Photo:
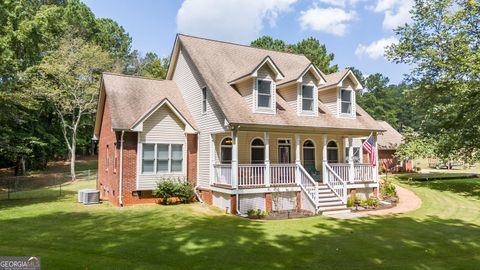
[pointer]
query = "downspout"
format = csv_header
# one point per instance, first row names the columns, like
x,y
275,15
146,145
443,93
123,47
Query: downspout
x,y
121,170
195,189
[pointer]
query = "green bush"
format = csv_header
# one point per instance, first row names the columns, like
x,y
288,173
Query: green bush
x,y
370,202
168,188
352,201
387,189
257,213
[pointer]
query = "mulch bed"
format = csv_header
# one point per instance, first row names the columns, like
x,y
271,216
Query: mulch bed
x,y
285,215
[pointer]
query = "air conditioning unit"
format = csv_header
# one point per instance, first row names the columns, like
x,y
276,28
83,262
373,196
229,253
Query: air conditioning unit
x,y
91,197
82,198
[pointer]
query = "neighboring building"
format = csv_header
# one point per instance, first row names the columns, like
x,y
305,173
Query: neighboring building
x,y
250,128
388,142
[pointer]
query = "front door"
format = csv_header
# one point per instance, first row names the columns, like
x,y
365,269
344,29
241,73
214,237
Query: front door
x,y
284,151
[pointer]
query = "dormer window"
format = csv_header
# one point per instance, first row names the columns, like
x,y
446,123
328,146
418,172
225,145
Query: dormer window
x,y
346,101
308,98
264,94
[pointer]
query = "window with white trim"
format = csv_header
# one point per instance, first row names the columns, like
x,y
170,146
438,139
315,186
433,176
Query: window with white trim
x,y
160,158
257,151
346,101
264,94
204,99
308,98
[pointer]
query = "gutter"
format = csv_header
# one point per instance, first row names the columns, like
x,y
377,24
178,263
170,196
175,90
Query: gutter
x,y
121,170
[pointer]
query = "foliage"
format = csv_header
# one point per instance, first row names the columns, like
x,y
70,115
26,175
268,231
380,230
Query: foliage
x,y
388,102
258,213
353,201
370,202
68,79
442,45
150,66
168,188
416,146
387,189
31,131
310,47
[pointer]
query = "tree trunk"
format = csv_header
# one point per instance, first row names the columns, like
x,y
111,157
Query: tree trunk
x,y
72,159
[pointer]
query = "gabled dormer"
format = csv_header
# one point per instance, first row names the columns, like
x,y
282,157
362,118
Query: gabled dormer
x,y
339,93
302,92
258,85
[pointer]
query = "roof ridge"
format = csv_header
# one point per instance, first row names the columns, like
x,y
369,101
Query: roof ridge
x,y
242,45
135,76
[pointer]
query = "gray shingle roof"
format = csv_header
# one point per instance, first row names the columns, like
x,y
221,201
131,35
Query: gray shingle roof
x,y
390,139
130,97
218,62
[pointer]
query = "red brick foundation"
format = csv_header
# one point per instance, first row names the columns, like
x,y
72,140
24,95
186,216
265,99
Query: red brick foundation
x,y
268,202
298,195
207,196
233,204
192,149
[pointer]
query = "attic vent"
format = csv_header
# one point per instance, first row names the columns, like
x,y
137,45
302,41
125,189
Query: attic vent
x,y
88,196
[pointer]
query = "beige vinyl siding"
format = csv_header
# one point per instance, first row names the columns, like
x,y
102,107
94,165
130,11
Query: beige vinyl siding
x,y
329,97
190,83
252,201
163,126
308,78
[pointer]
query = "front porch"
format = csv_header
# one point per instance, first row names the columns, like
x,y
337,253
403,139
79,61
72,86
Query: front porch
x,y
322,166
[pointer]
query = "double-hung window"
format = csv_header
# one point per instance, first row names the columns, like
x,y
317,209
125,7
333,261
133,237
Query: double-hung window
x,y
162,158
204,99
308,98
346,101
264,94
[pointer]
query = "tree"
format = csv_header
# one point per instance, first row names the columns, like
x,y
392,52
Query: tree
x,y
442,45
310,47
416,146
150,66
68,78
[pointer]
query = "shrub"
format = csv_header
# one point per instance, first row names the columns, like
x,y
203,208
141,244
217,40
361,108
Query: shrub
x,y
257,213
352,201
168,188
387,189
370,202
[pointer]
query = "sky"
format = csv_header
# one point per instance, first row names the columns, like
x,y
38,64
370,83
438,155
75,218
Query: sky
x,y
356,31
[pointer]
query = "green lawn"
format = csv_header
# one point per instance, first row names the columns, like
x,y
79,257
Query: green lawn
x,y
443,234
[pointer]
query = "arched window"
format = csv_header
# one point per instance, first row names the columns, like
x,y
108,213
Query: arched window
x,y
309,155
332,152
226,151
258,151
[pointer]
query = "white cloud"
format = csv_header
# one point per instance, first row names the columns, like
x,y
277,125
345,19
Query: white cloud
x,y
339,3
375,49
328,20
232,20
396,12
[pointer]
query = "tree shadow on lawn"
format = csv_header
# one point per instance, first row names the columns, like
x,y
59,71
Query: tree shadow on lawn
x,y
465,187
173,237
43,197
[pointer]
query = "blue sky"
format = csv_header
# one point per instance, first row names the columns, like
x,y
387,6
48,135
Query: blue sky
x,y
355,30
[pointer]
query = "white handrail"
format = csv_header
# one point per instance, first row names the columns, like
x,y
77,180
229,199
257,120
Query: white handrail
x,y
251,175
308,185
363,172
282,174
336,184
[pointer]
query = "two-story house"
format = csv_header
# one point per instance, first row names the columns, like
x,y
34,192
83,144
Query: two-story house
x,y
250,128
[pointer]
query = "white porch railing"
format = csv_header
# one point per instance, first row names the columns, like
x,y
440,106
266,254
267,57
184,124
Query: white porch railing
x,y
308,185
363,172
251,175
282,174
341,169
223,174
336,184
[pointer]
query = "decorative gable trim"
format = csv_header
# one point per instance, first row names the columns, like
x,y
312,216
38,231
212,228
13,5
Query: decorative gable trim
x,y
138,125
254,73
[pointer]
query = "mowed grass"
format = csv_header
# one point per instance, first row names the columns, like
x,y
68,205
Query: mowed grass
x,y
443,234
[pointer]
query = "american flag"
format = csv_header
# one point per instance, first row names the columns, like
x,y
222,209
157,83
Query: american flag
x,y
369,146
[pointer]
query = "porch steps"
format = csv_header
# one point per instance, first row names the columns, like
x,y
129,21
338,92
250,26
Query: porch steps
x,y
328,202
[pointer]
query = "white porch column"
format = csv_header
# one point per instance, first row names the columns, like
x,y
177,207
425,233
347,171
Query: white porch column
x,y
235,158
212,158
375,168
351,171
297,158
266,137
324,158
